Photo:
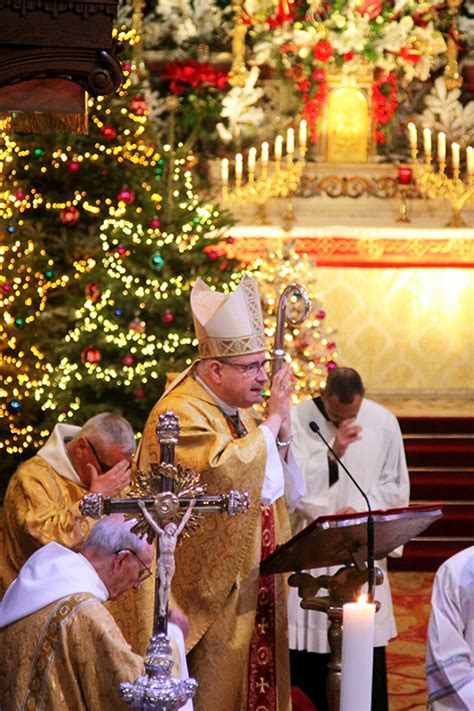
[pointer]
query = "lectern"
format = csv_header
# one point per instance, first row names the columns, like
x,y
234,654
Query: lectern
x,y
342,540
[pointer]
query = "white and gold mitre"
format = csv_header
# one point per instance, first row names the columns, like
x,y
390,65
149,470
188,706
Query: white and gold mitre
x,y
228,324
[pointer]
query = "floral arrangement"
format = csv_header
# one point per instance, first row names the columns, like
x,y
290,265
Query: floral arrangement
x,y
305,39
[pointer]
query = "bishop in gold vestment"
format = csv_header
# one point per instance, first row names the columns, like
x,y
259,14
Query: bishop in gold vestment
x,y
237,652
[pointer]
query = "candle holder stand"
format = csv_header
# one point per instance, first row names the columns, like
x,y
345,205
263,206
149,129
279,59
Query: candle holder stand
x,y
403,213
344,586
434,184
275,181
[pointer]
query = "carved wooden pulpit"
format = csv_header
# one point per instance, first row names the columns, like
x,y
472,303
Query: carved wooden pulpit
x,y
342,540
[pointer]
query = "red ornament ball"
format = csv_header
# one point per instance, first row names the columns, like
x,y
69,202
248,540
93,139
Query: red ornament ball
x,y
330,365
121,251
126,68
138,106
20,195
138,394
90,355
92,290
108,132
128,360
321,314
213,255
69,216
74,166
7,288
155,223
168,316
126,195
331,346
230,240
137,326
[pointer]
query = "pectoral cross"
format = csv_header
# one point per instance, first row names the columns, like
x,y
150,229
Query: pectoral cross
x,y
167,501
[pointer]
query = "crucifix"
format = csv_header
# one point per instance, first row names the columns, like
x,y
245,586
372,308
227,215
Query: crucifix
x,y
167,501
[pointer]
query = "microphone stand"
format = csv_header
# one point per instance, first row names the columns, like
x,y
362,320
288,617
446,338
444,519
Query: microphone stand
x,y
314,427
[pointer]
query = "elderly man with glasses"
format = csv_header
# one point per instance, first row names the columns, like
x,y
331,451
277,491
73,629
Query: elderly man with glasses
x,y
59,647
42,499
238,645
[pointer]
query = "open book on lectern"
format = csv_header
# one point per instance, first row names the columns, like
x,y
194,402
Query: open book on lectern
x,y
342,540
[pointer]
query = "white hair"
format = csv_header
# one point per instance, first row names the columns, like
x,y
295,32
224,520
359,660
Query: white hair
x,y
112,534
108,429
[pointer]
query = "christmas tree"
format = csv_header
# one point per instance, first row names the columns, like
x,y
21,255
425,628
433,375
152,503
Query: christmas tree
x,y
116,215
309,345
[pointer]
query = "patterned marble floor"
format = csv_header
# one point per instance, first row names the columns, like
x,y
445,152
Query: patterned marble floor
x,y
406,654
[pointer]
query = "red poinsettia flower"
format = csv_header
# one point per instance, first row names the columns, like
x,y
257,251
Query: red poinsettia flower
x,y
323,51
411,54
319,75
372,8
182,75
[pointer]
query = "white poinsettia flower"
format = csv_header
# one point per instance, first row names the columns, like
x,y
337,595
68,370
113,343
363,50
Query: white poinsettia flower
x,y
238,107
444,112
395,35
307,37
186,30
262,53
354,37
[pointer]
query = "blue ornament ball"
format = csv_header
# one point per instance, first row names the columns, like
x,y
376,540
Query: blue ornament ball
x,y
14,406
157,262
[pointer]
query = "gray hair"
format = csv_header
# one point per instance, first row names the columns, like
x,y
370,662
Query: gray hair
x,y
112,534
108,429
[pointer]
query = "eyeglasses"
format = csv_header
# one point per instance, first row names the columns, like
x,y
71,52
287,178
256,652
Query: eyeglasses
x,y
146,572
251,369
104,467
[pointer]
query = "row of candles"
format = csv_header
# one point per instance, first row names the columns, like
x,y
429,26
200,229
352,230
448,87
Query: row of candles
x,y
441,149
265,156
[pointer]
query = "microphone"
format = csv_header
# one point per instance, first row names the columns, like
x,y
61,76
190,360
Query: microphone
x,y
314,427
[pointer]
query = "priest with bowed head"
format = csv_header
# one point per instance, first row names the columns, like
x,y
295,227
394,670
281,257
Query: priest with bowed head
x,y
238,644
59,646
366,437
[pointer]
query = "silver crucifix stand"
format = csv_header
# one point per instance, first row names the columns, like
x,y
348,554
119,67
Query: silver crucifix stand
x,y
157,499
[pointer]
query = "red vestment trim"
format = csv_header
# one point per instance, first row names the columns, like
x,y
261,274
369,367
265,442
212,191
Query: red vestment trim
x,y
262,691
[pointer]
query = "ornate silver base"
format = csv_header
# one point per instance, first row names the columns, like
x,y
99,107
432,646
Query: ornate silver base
x,y
158,690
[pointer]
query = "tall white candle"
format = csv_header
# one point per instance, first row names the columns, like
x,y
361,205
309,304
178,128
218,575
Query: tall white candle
x,y
413,136
303,135
238,168
290,141
427,142
264,154
455,153
441,147
278,147
225,170
251,161
358,623
470,160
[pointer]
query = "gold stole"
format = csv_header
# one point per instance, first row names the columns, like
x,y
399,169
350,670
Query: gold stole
x,y
261,694
45,650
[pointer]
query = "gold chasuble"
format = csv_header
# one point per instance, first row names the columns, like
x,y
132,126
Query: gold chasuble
x,y
41,506
217,569
76,664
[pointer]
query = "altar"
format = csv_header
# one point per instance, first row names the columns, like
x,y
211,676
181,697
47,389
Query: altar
x,y
399,295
